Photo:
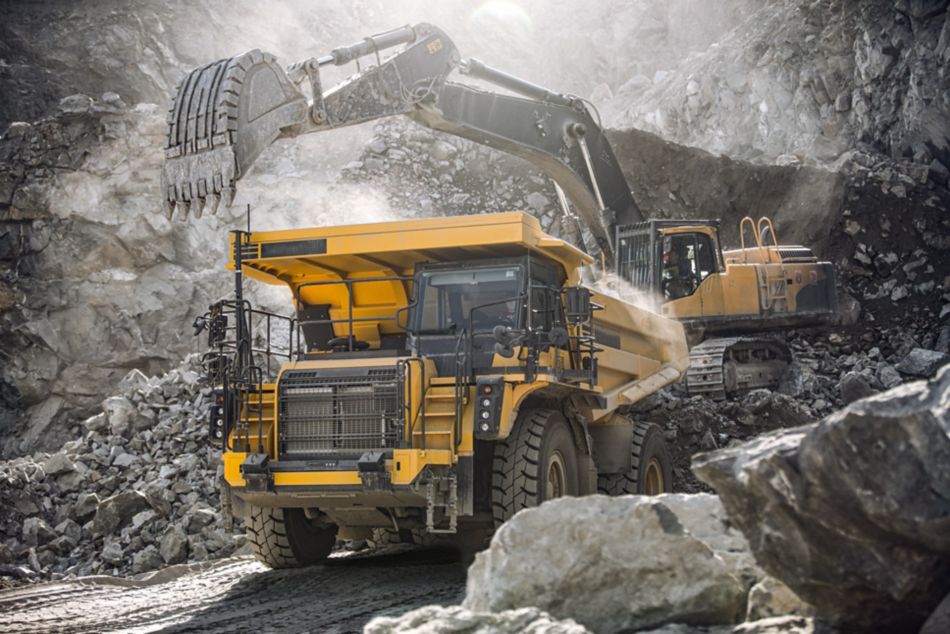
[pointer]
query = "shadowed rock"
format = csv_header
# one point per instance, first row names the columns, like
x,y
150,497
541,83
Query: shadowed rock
x,y
852,512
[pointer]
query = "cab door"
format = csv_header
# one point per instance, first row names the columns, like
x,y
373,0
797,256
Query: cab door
x,y
689,262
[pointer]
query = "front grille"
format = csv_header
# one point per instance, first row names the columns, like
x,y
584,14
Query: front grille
x,y
321,412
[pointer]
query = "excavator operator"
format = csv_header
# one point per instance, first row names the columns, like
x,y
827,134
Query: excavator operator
x,y
678,278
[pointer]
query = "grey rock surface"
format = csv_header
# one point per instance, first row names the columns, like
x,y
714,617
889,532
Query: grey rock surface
x,y
769,598
116,510
615,563
773,625
923,363
808,80
453,619
850,512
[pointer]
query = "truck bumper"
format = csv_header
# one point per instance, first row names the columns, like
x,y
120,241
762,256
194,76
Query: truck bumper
x,y
311,485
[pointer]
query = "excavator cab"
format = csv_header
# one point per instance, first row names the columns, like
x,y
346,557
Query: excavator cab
x,y
670,259
689,257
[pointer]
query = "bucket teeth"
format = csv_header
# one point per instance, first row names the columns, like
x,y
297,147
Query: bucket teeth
x,y
227,196
168,208
212,140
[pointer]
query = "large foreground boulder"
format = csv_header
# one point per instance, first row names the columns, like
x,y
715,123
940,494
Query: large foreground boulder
x,y
853,512
616,564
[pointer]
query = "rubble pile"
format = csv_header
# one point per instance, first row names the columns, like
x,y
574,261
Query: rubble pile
x,y
427,172
830,371
137,490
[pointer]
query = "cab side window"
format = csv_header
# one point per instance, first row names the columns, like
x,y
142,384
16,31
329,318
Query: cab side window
x,y
705,256
688,258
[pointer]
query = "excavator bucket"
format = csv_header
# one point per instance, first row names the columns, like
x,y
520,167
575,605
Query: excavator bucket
x,y
223,116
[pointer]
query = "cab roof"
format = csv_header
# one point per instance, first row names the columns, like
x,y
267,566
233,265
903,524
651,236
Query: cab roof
x,y
295,255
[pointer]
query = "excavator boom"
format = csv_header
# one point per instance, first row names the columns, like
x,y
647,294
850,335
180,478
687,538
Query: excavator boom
x,y
226,113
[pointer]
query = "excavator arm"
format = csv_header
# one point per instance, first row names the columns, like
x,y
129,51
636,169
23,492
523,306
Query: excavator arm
x,y
226,113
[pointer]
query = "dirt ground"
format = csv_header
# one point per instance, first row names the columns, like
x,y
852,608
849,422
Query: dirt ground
x,y
238,593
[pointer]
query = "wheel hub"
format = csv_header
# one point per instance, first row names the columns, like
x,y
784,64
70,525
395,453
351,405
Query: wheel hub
x,y
554,482
653,484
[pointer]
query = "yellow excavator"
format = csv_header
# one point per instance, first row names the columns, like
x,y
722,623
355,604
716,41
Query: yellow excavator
x,y
733,295
437,374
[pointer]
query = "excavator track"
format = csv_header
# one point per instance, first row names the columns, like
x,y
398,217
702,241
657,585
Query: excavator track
x,y
726,365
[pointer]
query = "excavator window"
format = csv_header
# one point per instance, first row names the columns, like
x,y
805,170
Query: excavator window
x,y
688,258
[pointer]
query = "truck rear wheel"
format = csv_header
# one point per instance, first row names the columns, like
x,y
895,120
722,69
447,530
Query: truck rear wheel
x,y
285,538
537,462
651,468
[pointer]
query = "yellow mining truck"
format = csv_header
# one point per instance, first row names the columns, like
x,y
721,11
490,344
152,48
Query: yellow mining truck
x,y
444,373
439,375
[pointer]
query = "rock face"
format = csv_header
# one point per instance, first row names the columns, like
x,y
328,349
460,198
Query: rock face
x,y
851,513
617,563
808,80
449,620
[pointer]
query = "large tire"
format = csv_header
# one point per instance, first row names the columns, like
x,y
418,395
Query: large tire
x,y
537,462
651,468
285,538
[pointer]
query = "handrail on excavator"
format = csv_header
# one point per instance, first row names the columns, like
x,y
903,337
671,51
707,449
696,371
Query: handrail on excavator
x,y
767,221
755,236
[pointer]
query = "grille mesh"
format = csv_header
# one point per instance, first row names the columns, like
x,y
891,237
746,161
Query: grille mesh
x,y
339,415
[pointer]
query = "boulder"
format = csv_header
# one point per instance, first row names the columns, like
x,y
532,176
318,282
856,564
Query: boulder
x,y
37,532
923,363
112,553
145,560
614,563
851,513
119,412
57,464
436,619
770,597
174,546
853,387
115,511
86,505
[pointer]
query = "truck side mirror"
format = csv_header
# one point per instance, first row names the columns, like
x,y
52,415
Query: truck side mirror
x,y
577,304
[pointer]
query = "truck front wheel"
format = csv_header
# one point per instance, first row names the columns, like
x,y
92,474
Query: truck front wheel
x,y
651,469
286,538
537,462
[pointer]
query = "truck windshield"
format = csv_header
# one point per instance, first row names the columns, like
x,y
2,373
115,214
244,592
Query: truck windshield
x,y
448,297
